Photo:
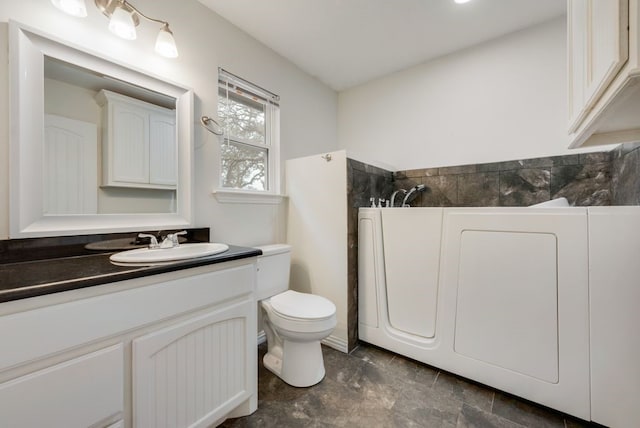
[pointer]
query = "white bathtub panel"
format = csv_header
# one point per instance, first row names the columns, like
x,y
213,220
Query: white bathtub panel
x,y
367,286
571,393
412,258
507,307
614,251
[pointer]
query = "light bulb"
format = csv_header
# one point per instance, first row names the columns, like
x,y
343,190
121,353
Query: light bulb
x,y
72,7
121,24
165,44
461,1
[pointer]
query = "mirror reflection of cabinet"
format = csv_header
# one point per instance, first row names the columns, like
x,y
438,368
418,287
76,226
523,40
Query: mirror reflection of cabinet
x,y
69,168
138,143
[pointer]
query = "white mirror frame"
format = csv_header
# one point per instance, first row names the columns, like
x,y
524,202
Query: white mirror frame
x,y
27,49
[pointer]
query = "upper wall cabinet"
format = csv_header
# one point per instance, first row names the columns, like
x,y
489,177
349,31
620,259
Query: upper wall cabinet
x,y
604,71
138,141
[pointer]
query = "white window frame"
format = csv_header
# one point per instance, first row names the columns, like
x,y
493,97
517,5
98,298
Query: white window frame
x,y
271,144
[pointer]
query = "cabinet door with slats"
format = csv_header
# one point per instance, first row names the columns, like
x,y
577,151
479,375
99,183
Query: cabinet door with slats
x,y
193,373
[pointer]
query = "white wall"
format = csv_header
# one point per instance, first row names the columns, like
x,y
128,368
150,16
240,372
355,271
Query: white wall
x,y
205,42
502,100
317,232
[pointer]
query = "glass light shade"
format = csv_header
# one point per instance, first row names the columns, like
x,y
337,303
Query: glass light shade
x,y
71,7
165,44
122,25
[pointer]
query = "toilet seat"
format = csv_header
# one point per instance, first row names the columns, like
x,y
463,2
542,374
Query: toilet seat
x,y
302,306
301,312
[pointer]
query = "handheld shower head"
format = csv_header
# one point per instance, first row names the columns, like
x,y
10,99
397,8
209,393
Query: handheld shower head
x,y
413,192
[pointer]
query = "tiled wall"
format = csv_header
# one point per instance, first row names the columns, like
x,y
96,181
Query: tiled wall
x,y
603,178
363,181
625,179
584,179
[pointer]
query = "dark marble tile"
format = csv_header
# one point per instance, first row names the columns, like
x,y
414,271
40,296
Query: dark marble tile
x,y
352,291
625,182
423,407
368,169
472,417
458,169
441,191
597,157
624,149
412,371
523,187
469,393
355,164
544,162
372,354
415,173
372,387
500,166
565,160
582,185
525,413
399,175
478,190
376,387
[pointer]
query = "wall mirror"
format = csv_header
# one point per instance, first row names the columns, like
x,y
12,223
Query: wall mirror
x,y
95,146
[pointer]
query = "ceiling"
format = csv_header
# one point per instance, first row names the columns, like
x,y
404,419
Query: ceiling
x,y
348,42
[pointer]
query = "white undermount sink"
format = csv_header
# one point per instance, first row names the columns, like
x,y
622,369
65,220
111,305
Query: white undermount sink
x,y
160,255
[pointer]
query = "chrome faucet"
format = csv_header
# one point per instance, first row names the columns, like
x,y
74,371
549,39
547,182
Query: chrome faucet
x,y
154,240
418,188
393,196
171,240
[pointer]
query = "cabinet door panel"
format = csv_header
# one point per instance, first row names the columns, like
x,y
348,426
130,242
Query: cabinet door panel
x,y
70,169
577,51
608,45
194,373
598,48
77,393
130,144
162,150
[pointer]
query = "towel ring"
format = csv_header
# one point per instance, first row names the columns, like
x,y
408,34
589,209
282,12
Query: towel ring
x,y
206,123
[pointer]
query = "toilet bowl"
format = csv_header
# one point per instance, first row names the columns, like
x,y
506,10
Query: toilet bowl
x,y
293,322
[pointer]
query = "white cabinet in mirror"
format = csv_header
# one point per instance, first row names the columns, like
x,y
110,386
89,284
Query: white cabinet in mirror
x,y
76,167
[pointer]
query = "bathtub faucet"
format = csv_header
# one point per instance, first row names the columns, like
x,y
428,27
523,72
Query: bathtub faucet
x,y
393,197
418,188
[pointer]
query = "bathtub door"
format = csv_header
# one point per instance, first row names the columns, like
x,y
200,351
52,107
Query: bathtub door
x,y
411,258
515,284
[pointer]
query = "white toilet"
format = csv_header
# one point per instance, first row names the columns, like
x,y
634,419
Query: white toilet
x,y
293,322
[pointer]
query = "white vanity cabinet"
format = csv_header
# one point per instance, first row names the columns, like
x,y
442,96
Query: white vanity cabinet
x,y
79,392
597,48
193,373
603,71
174,349
138,143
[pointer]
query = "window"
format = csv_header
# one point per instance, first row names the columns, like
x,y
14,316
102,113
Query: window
x,y
249,148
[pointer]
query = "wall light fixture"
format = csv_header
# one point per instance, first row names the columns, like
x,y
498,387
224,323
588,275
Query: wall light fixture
x,y
123,20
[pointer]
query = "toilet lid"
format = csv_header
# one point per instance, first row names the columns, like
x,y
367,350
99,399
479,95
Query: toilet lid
x,y
302,305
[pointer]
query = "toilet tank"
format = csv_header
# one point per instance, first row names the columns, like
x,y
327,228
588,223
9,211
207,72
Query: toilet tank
x,y
273,270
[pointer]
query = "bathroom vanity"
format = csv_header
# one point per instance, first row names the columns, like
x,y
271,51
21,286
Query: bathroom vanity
x,y
170,345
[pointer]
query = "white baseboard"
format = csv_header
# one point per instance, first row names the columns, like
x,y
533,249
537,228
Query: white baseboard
x,y
262,337
336,343
333,342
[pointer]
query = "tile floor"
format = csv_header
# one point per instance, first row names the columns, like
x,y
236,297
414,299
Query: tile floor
x,y
374,388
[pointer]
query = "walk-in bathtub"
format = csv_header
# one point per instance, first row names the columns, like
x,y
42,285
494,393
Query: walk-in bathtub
x,y
498,295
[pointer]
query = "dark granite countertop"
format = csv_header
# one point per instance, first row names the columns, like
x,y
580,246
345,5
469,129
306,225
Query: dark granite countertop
x,y
31,278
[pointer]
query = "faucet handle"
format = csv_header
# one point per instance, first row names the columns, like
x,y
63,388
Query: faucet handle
x,y
154,240
174,237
